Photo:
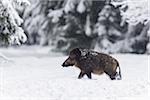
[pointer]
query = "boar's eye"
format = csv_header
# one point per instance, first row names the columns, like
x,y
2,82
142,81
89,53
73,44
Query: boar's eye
x,y
72,57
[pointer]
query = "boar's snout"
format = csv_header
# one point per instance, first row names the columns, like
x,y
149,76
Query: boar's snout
x,y
64,65
67,63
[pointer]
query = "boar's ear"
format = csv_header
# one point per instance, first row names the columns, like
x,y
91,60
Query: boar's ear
x,y
76,52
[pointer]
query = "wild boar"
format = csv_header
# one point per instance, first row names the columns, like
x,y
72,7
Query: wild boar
x,y
89,61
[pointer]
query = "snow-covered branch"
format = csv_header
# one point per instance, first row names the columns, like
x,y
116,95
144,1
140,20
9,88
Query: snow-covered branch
x,y
136,10
10,21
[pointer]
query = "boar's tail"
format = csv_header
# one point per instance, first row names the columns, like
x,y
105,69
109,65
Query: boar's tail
x,y
119,76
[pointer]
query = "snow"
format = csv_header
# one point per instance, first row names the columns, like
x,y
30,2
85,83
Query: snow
x,y
84,52
138,10
12,20
55,15
34,73
70,5
88,30
81,6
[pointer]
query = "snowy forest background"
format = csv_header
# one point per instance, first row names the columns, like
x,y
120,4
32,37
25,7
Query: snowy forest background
x,y
110,26
35,35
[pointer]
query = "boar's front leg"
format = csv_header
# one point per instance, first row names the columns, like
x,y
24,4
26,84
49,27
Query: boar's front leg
x,y
89,75
81,75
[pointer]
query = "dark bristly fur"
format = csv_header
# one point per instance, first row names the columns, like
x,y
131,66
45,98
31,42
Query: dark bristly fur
x,y
93,62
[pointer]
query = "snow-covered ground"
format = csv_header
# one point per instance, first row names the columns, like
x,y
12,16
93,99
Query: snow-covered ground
x,y
31,73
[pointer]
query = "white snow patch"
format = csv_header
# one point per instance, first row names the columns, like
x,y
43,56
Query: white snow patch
x,y
35,75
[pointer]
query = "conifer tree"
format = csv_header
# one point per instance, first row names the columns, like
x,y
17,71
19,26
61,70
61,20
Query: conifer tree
x,y
10,22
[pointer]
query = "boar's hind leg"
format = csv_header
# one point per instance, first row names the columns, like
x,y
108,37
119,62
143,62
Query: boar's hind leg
x,y
81,75
111,74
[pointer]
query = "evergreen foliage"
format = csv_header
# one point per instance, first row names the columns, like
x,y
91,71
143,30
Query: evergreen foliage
x,y
109,26
10,21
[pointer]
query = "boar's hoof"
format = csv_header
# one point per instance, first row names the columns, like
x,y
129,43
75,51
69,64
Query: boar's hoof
x,y
81,75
